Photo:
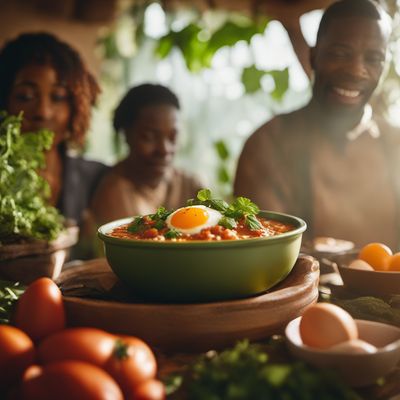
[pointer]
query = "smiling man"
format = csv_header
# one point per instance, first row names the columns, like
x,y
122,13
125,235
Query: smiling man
x,y
333,162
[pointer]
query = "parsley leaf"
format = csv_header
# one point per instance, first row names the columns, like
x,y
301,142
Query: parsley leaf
x,y
172,234
204,195
136,225
24,194
227,222
252,222
241,207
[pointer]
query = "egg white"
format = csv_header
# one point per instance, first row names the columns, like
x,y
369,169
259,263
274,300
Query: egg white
x,y
213,218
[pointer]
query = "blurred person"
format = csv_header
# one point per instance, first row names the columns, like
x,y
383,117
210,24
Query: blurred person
x,y
333,162
46,79
146,179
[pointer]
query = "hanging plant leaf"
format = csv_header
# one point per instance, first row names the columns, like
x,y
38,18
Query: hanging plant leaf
x,y
251,79
281,79
231,33
222,150
187,41
165,45
223,175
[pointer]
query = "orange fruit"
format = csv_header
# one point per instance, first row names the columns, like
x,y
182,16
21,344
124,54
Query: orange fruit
x,y
377,255
394,263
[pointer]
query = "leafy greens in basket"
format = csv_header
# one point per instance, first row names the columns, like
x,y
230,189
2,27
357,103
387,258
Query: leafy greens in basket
x,y
24,210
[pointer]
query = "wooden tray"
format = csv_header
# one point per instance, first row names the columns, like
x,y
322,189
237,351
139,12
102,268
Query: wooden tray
x,y
188,327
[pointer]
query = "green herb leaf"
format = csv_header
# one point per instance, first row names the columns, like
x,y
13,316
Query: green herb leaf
x,y
204,195
136,225
24,194
9,294
161,214
252,222
227,222
257,371
245,205
172,234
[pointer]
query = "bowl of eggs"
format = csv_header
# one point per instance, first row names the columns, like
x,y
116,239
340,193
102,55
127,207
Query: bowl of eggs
x,y
206,251
359,351
373,270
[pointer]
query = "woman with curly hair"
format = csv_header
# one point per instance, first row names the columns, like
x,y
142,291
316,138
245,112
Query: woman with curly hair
x,y
46,80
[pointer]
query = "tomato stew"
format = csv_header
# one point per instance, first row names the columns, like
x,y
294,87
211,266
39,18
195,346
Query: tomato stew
x,y
214,233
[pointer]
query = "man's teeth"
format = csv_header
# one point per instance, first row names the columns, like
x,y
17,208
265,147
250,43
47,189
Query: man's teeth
x,y
347,93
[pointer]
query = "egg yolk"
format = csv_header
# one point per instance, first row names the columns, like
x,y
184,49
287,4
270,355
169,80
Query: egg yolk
x,y
190,217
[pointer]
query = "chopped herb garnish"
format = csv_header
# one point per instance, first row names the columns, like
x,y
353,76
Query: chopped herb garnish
x,y
172,234
204,195
242,210
160,224
242,207
161,214
136,225
227,222
252,222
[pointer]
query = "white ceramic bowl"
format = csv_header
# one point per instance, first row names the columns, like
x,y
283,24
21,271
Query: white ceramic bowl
x,y
355,369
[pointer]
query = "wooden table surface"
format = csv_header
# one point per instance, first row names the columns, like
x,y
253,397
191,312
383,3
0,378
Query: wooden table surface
x,y
176,361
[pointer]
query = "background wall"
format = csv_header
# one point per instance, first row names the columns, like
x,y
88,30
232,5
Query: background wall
x,y
22,16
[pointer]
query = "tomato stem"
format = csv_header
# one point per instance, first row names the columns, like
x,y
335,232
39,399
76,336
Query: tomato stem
x,y
121,349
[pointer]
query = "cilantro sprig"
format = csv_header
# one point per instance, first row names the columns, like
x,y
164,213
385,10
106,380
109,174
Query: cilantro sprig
x,y
156,220
241,207
24,194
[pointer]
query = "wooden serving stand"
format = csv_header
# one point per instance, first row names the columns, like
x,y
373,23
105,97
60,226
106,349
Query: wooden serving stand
x,y
184,327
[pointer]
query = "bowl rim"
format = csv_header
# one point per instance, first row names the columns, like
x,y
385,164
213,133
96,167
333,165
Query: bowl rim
x,y
301,227
295,323
343,266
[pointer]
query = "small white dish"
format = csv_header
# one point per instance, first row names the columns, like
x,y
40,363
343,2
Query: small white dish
x,y
355,369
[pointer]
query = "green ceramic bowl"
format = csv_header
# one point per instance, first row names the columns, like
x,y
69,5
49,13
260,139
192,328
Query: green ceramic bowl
x,y
198,271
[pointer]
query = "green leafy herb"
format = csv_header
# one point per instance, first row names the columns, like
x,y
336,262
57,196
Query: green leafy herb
x,y
227,222
252,222
253,371
161,214
24,209
245,206
204,195
204,198
242,207
9,294
139,224
172,234
136,225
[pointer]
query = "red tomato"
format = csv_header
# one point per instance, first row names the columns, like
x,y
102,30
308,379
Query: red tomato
x,y
16,354
131,363
85,344
151,389
128,359
40,310
69,380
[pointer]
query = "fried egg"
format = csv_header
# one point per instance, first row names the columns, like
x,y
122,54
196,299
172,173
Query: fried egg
x,y
193,219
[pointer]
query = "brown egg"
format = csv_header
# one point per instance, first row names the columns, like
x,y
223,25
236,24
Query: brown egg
x,y
324,325
354,346
360,264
